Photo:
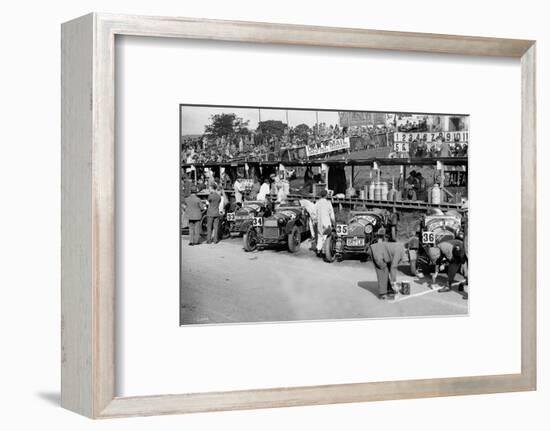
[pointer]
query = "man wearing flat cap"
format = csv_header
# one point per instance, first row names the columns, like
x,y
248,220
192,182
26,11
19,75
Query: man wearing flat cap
x,y
193,210
386,256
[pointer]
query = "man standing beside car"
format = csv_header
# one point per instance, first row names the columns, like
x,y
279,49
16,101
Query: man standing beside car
x,y
193,210
324,214
213,215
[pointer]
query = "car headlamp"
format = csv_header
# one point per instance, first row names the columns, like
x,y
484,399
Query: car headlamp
x,y
368,228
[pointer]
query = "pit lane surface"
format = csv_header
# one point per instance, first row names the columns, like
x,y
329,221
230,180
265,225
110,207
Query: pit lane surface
x,y
223,284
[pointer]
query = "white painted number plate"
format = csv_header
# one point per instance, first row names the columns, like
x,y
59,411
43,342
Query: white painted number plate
x,y
428,237
354,242
341,229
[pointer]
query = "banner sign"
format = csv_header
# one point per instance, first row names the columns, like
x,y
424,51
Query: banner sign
x,y
454,137
327,147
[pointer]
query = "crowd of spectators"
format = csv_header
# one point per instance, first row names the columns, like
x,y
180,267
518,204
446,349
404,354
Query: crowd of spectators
x,y
257,146
413,126
292,143
438,148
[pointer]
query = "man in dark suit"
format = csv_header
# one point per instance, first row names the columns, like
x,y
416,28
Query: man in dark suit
x,y
386,256
213,214
193,210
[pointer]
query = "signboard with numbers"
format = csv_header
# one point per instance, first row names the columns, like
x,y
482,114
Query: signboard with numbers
x,y
230,216
402,137
258,222
341,229
401,147
428,237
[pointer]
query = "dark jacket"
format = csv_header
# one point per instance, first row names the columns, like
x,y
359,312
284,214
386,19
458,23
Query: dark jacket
x,y
193,209
214,200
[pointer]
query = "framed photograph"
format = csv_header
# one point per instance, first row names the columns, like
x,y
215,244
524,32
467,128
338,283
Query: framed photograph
x,y
264,215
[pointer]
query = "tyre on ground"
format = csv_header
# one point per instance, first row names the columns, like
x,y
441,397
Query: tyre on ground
x,y
294,240
250,240
328,250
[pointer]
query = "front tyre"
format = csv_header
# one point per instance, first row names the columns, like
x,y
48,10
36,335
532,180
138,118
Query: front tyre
x,y
294,240
328,250
224,230
250,240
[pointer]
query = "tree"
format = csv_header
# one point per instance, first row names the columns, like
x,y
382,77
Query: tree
x,y
271,128
226,125
301,131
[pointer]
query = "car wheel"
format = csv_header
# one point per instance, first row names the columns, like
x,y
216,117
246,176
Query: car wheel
x,y
203,226
224,230
294,240
250,240
328,249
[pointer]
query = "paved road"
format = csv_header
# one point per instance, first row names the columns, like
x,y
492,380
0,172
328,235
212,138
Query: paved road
x,y
224,284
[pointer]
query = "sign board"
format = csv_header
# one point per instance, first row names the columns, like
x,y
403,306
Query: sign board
x,y
327,147
460,137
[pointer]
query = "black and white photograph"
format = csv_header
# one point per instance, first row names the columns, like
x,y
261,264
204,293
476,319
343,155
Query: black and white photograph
x,y
312,214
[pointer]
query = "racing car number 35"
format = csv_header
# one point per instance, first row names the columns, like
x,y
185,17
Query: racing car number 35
x,y
341,229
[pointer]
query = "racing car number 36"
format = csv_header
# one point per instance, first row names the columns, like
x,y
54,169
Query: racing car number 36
x,y
428,237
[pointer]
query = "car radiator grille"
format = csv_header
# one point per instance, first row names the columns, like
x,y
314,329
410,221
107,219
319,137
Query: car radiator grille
x,y
271,232
356,230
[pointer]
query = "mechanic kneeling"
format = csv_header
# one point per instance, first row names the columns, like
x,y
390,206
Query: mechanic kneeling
x,y
386,256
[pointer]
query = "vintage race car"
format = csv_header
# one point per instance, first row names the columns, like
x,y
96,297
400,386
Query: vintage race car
x,y
356,235
435,227
240,218
288,225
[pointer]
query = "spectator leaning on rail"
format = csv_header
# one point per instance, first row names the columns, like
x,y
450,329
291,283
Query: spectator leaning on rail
x,y
386,256
324,214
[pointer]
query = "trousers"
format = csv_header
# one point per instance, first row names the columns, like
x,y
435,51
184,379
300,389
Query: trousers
x,y
212,233
383,276
194,231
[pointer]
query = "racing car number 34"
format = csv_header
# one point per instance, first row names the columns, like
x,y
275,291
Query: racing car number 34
x,y
258,221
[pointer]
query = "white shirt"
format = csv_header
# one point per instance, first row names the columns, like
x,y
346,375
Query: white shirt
x,y
324,213
264,191
238,191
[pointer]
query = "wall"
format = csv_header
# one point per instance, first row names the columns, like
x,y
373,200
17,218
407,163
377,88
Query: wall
x,y
29,220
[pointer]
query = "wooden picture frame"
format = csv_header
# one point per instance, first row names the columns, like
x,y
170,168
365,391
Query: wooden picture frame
x,y
88,214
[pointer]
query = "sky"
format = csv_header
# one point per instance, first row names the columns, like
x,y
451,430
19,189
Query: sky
x,y
195,118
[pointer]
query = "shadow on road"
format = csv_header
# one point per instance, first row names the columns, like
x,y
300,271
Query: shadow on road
x,y
371,286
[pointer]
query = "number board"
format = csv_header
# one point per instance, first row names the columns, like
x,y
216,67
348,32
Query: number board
x,y
428,237
401,147
258,222
341,229
460,137
230,216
